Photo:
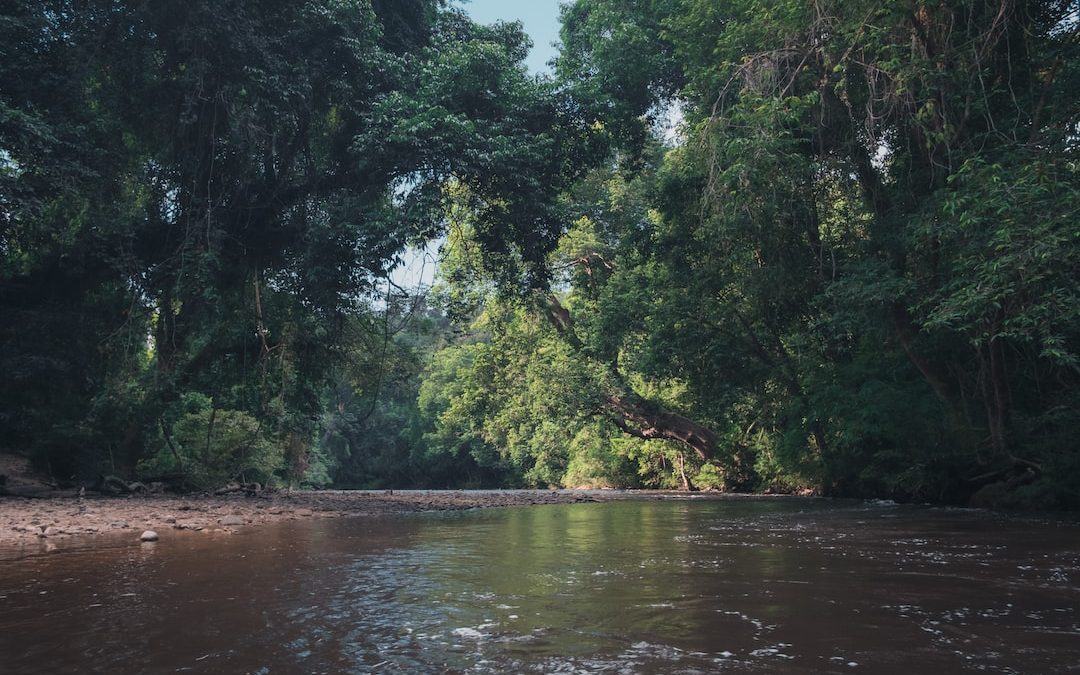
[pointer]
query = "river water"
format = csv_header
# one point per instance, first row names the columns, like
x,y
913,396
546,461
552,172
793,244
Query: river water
x,y
674,586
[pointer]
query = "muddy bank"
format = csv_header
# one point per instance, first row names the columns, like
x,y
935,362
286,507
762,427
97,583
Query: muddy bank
x,y
27,520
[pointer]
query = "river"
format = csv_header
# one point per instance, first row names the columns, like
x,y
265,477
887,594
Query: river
x,y
676,586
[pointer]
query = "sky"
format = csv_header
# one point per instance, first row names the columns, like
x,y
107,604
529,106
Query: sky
x,y
540,18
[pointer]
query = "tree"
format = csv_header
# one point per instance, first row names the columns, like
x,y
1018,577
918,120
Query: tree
x,y
850,195
201,196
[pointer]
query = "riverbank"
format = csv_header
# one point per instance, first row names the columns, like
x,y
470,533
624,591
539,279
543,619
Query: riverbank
x,y
27,520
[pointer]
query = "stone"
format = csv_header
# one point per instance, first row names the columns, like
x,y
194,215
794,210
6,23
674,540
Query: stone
x,y
232,520
302,512
149,535
51,531
119,523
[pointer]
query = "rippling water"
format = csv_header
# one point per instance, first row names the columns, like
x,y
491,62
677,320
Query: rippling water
x,y
680,586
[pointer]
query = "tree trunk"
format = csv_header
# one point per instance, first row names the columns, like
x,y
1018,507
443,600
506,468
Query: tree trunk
x,y
997,396
686,484
906,331
631,413
646,419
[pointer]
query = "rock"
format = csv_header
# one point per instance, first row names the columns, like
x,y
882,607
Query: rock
x,y
32,529
111,485
119,523
51,531
170,519
302,512
467,633
232,520
149,535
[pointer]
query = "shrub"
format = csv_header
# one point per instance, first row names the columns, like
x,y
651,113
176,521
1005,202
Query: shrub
x,y
210,448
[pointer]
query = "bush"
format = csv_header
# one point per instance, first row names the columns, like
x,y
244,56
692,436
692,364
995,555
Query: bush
x,y
210,448
595,463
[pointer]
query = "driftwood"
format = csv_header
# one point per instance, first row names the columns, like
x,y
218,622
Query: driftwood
x,y
250,489
115,486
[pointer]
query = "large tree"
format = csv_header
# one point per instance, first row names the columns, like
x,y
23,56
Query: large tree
x,y
864,242
197,196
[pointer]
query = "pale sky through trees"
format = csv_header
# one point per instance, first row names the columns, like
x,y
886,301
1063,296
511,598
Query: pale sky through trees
x,y
539,17
541,21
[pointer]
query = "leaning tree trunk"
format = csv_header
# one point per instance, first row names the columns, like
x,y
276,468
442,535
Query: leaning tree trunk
x,y
631,413
646,419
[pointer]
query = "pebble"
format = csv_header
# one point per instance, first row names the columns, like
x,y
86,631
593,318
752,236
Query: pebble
x,y
149,535
232,520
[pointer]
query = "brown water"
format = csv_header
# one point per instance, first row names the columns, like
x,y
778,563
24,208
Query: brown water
x,y
688,586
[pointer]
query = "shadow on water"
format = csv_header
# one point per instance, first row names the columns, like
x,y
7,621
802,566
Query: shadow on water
x,y
675,586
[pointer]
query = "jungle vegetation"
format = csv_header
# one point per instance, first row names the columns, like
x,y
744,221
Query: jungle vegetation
x,y
848,268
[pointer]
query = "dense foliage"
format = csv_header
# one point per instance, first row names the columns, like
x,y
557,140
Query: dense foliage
x,y
860,260
855,267
850,272
202,197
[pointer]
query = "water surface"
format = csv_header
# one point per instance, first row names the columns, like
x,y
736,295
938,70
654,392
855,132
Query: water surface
x,y
678,586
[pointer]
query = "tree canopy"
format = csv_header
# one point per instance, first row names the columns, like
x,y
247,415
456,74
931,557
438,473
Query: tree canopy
x,y
849,272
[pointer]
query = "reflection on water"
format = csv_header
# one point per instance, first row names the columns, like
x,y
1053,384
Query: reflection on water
x,y
783,585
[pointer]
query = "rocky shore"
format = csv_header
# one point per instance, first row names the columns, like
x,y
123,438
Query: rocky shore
x,y
32,519
32,509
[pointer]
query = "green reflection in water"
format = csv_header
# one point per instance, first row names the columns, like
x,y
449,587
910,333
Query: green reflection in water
x,y
588,576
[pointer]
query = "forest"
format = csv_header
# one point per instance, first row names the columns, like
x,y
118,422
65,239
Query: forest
x,y
823,247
